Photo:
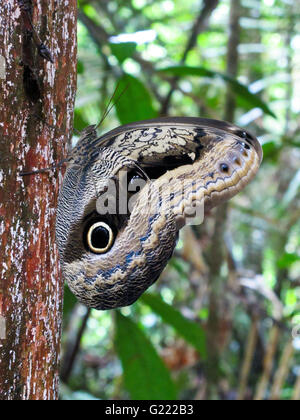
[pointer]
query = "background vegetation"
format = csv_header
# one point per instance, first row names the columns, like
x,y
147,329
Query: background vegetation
x,y
223,322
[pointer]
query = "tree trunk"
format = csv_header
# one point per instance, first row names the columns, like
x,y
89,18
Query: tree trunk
x,y
36,115
220,310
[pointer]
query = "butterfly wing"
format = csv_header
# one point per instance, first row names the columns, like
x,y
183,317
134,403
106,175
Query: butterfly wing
x,y
213,159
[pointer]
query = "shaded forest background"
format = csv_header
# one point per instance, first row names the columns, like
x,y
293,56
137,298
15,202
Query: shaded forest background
x,y
223,322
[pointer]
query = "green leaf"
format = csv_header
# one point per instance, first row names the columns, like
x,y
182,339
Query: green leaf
x,y
271,150
123,50
69,302
145,375
191,331
180,267
80,123
135,103
287,260
80,67
238,88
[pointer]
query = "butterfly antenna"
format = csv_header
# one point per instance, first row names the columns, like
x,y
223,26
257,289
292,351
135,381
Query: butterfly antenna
x,y
112,104
78,132
108,106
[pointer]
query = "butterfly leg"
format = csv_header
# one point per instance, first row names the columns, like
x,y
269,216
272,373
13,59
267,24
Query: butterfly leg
x,y
54,166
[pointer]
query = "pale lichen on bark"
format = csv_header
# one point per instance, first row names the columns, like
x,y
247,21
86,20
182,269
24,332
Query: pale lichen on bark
x,y
2,328
33,134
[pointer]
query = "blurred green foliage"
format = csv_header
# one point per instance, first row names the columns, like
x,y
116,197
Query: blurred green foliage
x,y
157,347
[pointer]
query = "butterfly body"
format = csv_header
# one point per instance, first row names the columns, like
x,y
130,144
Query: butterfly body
x,y
109,259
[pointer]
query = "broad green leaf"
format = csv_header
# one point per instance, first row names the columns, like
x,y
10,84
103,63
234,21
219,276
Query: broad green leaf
x,y
191,331
145,375
238,88
135,103
122,50
287,260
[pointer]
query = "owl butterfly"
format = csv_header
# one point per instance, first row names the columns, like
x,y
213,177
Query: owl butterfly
x,y
126,195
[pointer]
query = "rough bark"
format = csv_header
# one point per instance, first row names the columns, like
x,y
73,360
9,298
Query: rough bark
x,y
36,115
